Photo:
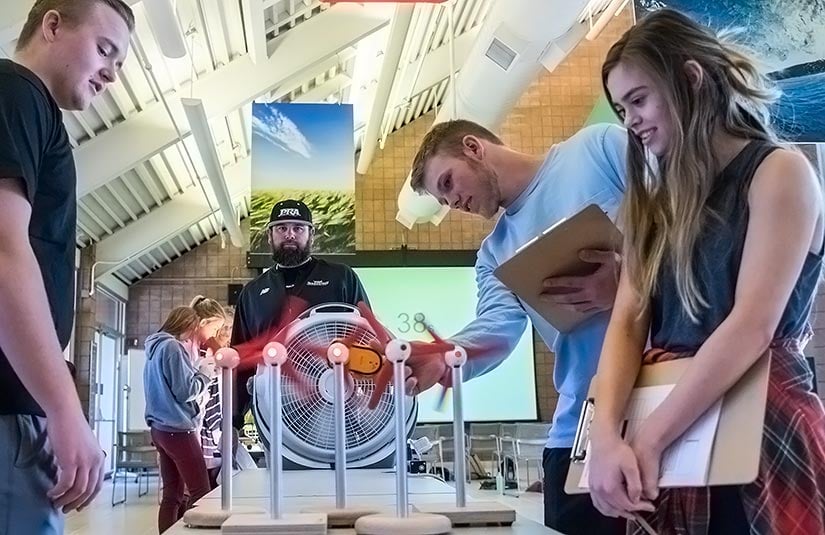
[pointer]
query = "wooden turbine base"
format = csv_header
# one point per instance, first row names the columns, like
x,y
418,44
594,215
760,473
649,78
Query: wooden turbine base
x,y
210,517
472,514
288,524
344,517
414,524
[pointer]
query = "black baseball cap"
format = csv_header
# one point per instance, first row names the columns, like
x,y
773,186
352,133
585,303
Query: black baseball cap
x,y
290,211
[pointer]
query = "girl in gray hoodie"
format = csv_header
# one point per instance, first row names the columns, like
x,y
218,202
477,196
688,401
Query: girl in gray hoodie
x,y
173,380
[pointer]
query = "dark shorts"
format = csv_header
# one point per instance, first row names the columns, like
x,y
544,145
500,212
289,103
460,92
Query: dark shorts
x,y
571,515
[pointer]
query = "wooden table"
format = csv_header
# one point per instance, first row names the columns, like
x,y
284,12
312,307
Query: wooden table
x,y
308,488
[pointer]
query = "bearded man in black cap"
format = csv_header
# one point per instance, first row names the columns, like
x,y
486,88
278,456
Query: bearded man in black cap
x,y
296,279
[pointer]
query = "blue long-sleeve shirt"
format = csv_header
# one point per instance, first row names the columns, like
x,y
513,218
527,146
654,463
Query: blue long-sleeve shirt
x,y
587,168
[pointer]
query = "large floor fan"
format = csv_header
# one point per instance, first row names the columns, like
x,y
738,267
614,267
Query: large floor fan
x,y
309,428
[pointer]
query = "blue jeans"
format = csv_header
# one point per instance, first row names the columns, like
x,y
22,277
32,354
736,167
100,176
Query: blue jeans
x,y
27,472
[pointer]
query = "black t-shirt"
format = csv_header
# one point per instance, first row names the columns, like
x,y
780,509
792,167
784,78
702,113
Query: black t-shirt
x,y
261,304
34,148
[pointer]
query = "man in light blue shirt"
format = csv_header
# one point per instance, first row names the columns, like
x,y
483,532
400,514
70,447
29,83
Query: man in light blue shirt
x,y
467,167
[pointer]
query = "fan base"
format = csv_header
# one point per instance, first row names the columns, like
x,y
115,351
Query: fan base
x,y
473,514
415,524
209,517
288,524
344,517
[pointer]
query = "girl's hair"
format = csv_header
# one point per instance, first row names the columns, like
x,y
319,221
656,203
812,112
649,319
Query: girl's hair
x,y
206,308
180,321
665,206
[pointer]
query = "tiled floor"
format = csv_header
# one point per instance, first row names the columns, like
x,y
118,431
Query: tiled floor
x,y
138,516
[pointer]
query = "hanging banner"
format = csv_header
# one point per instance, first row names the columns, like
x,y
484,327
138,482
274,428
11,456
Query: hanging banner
x,y
304,152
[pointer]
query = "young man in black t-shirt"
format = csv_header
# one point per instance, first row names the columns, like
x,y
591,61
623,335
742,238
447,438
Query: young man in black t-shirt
x,y
263,304
67,53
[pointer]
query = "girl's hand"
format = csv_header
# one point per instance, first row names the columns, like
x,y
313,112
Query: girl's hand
x,y
615,481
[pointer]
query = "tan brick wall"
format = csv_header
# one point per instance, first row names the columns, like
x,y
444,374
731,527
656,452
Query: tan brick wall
x,y
85,325
552,109
206,270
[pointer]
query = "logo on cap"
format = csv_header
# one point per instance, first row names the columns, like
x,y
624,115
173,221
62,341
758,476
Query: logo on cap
x,y
292,212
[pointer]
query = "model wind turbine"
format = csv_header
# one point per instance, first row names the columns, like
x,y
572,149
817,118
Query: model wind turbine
x,y
403,521
342,515
463,513
226,359
275,357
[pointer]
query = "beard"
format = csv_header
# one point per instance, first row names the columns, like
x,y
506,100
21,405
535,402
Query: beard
x,y
488,181
290,257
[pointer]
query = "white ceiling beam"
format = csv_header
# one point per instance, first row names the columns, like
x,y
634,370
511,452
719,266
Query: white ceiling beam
x,y
167,221
255,29
108,210
121,148
199,124
321,92
436,65
399,28
134,274
184,242
113,285
165,254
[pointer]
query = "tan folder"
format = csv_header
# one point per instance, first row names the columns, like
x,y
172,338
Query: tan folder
x,y
737,445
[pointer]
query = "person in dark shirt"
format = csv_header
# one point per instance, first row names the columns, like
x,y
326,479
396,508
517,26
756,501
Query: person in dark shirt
x,y
67,53
296,280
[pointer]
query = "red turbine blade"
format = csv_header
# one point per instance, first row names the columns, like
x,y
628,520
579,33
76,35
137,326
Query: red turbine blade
x,y
418,348
380,332
303,387
380,385
434,334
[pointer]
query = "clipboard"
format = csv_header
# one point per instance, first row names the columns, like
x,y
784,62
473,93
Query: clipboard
x,y
737,446
555,252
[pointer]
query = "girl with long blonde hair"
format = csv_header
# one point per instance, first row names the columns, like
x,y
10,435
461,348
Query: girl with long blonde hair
x,y
723,253
174,378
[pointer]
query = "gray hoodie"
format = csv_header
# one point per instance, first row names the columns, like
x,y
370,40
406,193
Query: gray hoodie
x,y
172,385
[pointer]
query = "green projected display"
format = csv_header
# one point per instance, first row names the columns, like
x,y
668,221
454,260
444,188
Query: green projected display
x,y
405,298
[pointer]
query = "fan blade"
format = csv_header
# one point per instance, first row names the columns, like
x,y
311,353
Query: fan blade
x,y
382,381
352,338
319,350
380,332
302,386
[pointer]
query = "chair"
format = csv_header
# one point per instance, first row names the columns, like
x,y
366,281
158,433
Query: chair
x,y
134,452
526,445
484,440
435,456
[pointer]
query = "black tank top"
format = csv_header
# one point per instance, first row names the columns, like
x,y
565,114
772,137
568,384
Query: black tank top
x,y
716,266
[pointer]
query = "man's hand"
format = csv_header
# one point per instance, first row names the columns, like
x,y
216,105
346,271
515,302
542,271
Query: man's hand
x,y
590,293
425,367
79,461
